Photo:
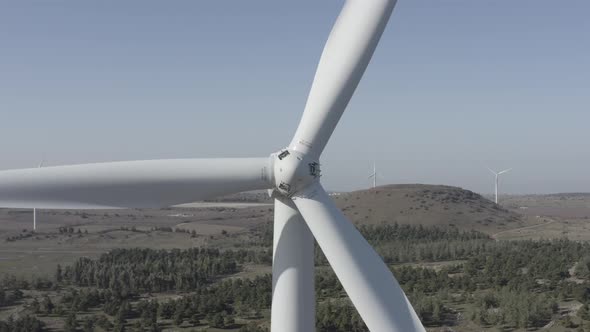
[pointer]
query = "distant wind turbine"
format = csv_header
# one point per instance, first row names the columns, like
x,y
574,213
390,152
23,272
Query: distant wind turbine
x,y
497,174
34,209
374,175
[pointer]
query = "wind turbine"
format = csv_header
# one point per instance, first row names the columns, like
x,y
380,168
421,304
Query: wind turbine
x,y
303,209
497,174
374,175
35,209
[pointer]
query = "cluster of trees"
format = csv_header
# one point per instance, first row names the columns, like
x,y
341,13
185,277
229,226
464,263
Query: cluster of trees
x,y
166,229
508,284
406,243
11,288
392,233
519,264
217,305
582,269
45,306
70,230
431,308
334,316
24,235
521,309
80,300
422,286
163,229
9,281
137,270
22,324
489,264
528,277
90,323
10,297
409,243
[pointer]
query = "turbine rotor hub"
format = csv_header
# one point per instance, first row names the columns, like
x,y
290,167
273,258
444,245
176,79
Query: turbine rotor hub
x,y
293,171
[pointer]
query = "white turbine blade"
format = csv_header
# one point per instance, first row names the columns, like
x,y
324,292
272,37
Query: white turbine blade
x,y
505,171
368,282
491,170
346,55
132,184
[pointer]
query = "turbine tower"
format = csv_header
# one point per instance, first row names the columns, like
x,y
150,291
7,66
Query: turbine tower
x,y
35,209
303,209
497,175
374,175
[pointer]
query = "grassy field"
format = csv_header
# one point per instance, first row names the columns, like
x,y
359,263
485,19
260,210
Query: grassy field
x,y
96,232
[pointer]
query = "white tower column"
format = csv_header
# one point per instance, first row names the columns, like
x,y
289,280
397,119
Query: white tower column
x,y
496,188
293,295
374,176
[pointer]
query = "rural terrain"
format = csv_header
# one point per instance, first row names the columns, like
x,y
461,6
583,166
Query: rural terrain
x,y
466,263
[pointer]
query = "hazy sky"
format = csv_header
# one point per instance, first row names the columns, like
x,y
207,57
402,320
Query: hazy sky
x,y
454,86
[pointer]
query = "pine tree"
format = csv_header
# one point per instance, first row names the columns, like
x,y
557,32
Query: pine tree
x,y
120,320
178,319
35,306
88,324
194,320
229,321
71,323
58,274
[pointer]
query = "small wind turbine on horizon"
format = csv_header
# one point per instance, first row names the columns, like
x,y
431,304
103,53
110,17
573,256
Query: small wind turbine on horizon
x,y
35,209
374,175
497,175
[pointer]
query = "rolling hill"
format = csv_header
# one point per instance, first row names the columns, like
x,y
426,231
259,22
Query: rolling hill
x,y
433,205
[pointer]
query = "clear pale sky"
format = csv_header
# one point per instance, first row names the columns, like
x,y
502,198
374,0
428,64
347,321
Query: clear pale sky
x,y
455,85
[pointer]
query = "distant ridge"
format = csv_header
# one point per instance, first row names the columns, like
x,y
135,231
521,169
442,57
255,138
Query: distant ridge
x,y
572,194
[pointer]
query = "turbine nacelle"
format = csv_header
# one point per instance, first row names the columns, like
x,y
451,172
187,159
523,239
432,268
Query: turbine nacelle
x,y
293,171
